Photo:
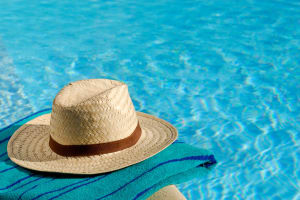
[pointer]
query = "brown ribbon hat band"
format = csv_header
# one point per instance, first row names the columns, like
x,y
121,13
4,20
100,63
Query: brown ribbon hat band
x,y
90,120
96,149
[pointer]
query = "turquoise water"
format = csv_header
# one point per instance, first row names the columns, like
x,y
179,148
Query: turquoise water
x,y
225,73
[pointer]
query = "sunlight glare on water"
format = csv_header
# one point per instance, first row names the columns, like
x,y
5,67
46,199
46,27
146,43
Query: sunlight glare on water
x,y
225,73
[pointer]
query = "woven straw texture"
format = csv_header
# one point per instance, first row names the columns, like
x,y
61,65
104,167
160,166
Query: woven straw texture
x,y
29,147
94,113
91,112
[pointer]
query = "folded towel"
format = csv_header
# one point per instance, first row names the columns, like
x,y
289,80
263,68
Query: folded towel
x,y
167,193
176,164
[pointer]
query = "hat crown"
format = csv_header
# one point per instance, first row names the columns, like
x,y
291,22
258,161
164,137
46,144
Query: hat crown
x,y
91,112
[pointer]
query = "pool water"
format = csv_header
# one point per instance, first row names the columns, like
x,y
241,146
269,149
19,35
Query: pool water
x,y
225,73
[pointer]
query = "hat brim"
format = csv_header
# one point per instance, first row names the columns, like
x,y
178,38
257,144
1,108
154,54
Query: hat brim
x,y
29,148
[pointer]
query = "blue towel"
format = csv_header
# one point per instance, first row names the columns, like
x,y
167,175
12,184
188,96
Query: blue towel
x,y
176,164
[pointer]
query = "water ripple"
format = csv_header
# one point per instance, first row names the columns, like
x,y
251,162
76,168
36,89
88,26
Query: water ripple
x,y
225,73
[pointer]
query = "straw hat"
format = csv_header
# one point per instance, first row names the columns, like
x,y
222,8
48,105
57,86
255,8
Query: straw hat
x,y
93,128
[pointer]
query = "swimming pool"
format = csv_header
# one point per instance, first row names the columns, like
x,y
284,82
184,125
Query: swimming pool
x,y
225,73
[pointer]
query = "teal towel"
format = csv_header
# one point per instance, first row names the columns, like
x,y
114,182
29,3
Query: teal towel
x,y
176,164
